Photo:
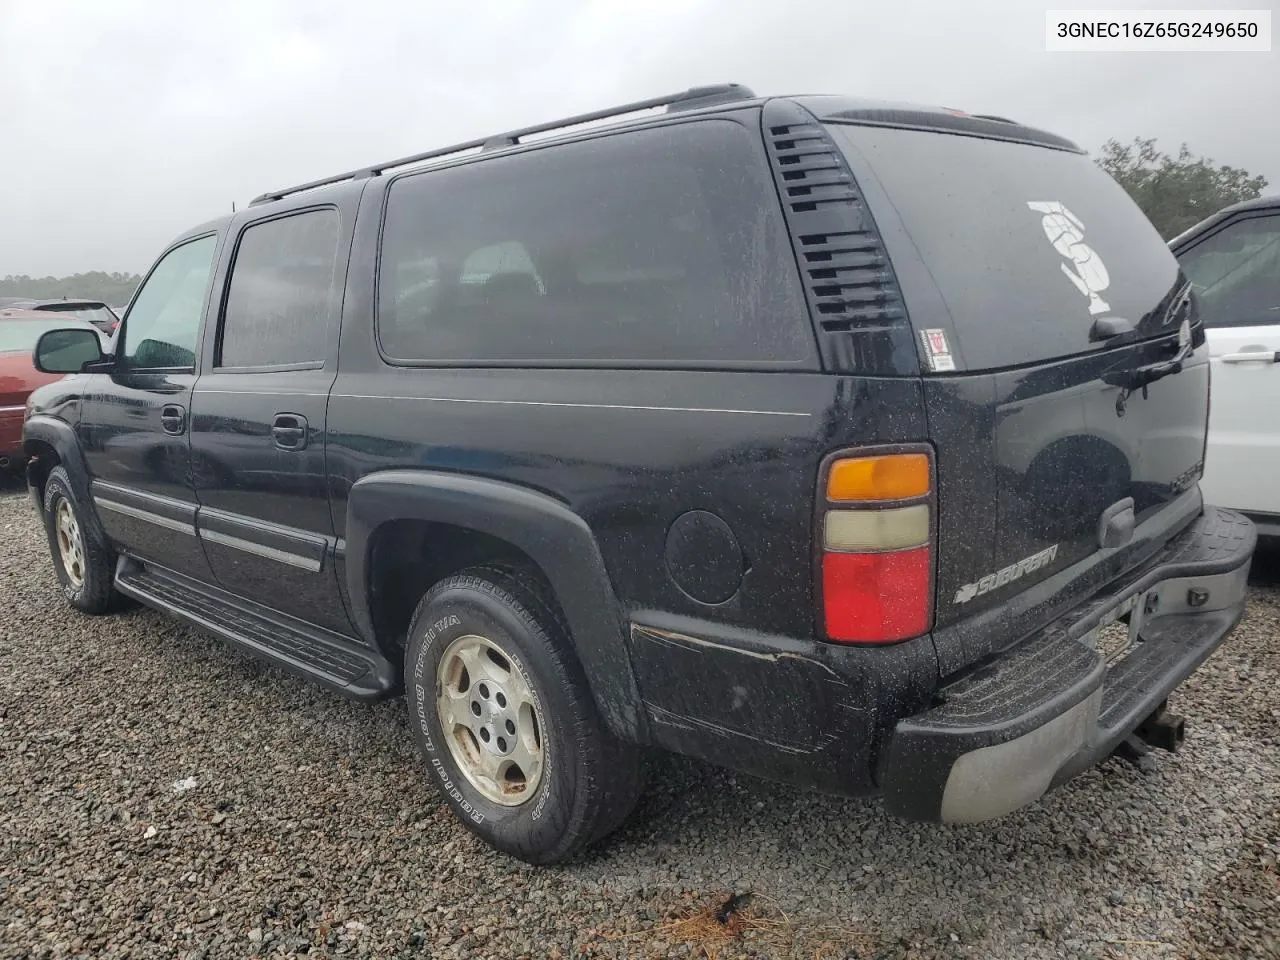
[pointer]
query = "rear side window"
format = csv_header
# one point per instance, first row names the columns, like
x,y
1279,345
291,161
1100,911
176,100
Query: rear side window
x,y
280,295
654,246
1236,273
1007,253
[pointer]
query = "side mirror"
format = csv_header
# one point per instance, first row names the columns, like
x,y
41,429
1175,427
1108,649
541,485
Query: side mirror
x,y
67,351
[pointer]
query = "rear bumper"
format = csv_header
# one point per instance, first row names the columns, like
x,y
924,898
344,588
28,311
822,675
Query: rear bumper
x,y
1036,715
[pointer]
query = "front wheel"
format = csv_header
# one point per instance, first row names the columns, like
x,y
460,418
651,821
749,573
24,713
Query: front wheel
x,y
85,566
502,712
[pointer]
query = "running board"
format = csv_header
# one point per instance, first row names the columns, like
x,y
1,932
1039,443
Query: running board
x,y
339,663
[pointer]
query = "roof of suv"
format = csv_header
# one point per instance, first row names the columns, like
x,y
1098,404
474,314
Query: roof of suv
x,y
712,99
938,119
1271,202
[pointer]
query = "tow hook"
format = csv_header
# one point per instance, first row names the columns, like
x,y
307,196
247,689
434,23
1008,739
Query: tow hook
x,y
1163,729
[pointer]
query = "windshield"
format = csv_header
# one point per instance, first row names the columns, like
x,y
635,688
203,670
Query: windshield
x,y
1007,253
21,335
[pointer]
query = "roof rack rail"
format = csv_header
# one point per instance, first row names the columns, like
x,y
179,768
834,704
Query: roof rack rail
x,y
992,116
690,99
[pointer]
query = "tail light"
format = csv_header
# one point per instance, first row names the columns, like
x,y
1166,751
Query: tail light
x,y
876,527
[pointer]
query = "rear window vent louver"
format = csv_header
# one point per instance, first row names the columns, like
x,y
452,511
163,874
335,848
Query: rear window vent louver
x,y
852,291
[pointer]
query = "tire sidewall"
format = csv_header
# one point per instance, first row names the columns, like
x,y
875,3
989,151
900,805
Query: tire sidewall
x,y
56,490
535,827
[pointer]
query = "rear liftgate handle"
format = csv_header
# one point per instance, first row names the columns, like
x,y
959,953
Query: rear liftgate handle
x,y
289,431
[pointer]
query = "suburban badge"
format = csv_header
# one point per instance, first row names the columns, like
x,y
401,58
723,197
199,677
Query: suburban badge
x,y
1014,571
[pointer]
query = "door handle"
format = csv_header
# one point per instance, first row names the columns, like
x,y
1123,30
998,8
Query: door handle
x,y
289,431
173,418
1252,355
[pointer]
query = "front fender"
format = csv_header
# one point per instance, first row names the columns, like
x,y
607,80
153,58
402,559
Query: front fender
x,y
61,436
551,534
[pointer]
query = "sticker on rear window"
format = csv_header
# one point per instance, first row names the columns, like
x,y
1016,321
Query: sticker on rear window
x,y
936,349
1087,272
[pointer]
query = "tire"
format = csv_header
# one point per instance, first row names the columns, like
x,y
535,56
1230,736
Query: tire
x,y
589,781
87,575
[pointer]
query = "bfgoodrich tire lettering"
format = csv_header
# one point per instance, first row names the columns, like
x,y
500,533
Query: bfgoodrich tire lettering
x,y
589,781
89,583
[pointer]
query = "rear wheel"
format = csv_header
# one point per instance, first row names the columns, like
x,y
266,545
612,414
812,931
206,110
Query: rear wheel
x,y
84,565
489,717
503,715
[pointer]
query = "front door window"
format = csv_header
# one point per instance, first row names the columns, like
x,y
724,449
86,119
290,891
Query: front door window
x,y
164,320
1236,274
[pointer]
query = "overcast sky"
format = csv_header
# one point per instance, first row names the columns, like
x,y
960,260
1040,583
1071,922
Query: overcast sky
x,y
122,123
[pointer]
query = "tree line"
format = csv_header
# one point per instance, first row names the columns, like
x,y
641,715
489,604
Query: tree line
x,y
113,289
1175,191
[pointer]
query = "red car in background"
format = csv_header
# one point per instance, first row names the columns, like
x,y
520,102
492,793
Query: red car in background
x,y
19,331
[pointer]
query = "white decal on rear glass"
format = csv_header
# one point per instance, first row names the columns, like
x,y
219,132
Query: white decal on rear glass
x,y
1066,233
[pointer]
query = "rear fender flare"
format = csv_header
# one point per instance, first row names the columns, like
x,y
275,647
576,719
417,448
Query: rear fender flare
x,y
552,535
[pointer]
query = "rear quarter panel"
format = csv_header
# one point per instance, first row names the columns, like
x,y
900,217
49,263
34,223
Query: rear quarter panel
x,y
631,451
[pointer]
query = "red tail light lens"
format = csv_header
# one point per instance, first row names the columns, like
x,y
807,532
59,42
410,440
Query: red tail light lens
x,y
877,546
876,597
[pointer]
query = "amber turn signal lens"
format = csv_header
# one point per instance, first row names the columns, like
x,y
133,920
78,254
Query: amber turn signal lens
x,y
897,476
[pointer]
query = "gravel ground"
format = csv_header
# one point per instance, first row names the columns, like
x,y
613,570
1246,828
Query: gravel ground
x,y
162,795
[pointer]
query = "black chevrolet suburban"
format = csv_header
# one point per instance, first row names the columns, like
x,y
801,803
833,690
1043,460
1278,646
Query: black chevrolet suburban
x,y
848,443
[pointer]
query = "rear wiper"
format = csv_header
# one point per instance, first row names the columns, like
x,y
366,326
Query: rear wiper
x,y
1139,378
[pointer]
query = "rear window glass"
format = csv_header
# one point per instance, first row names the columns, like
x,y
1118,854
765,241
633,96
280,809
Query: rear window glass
x,y
1007,253
652,246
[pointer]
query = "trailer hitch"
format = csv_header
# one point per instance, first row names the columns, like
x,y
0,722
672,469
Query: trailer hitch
x,y
1163,730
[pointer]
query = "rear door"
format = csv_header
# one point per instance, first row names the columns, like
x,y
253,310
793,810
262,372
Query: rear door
x,y
1043,301
259,413
1236,274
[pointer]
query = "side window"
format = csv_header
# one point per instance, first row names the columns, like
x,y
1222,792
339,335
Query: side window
x,y
497,274
507,257
1236,273
416,283
281,292
164,320
649,246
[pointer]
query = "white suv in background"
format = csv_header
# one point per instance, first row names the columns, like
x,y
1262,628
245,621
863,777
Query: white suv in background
x,y
1233,260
